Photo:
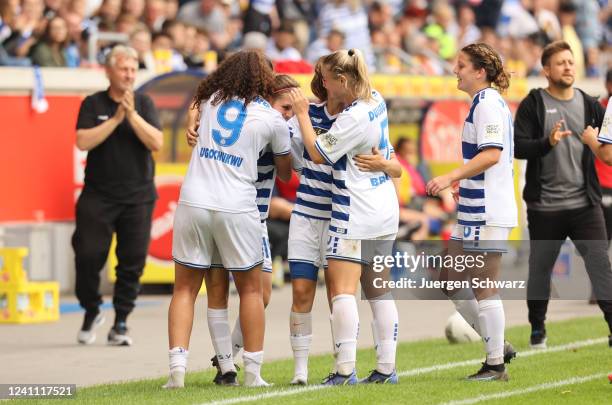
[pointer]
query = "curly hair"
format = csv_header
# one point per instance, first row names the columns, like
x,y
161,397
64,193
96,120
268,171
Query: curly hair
x,y
483,56
244,75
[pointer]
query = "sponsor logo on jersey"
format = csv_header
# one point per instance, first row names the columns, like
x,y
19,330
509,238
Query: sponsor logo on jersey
x,y
328,141
492,131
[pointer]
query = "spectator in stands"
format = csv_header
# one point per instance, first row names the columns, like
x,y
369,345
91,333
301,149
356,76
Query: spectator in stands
x,y
350,17
467,31
176,31
324,46
126,23
172,8
281,45
155,14
9,10
259,17
51,49
120,129
107,14
206,15
135,8
140,40
167,59
567,18
420,214
27,27
443,28
590,32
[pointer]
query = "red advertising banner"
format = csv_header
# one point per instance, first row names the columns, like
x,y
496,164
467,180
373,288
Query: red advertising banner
x,y
37,179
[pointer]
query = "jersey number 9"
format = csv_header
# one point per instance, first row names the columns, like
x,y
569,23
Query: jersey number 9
x,y
234,126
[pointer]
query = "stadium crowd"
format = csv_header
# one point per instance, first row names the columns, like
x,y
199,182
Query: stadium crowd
x,y
396,36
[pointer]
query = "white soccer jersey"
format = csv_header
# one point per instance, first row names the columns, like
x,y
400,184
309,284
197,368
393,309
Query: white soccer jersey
x,y
223,167
364,204
605,133
314,195
488,198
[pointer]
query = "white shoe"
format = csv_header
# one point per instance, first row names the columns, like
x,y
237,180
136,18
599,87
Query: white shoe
x,y
176,380
252,380
299,380
88,336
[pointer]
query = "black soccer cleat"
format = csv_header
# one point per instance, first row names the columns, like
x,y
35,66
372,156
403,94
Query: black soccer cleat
x,y
537,340
509,352
489,373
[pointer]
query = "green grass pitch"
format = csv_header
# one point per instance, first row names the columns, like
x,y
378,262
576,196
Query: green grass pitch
x,y
575,375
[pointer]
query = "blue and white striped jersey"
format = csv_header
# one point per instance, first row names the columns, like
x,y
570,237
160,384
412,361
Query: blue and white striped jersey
x,y
314,196
266,174
488,198
364,204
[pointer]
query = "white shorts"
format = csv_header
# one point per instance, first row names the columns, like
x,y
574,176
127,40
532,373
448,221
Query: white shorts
x,y
307,246
267,255
482,238
199,232
353,250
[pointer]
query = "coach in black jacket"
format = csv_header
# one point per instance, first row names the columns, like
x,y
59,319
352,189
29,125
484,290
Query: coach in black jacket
x,y
556,131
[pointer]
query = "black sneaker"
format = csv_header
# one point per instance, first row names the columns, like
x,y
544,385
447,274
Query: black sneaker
x,y
538,339
118,335
215,363
509,352
230,378
91,321
219,376
489,373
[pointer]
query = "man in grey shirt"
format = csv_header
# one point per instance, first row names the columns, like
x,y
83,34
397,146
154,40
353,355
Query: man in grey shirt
x,y
208,16
556,131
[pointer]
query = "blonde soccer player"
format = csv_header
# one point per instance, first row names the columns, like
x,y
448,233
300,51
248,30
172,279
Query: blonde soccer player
x,y
363,207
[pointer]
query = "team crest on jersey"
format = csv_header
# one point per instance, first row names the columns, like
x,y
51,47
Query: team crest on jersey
x,y
319,131
492,131
317,119
328,141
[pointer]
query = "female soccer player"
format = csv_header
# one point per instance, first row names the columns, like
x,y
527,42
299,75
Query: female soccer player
x,y
217,211
308,231
487,209
364,206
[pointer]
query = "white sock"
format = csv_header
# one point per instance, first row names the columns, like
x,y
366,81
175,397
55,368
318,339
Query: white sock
x,y
218,325
177,357
492,323
300,328
467,306
384,329
334,348
252,368
345,326
237,341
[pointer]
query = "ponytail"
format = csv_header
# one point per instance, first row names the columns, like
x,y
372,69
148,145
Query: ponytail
x,y
351,64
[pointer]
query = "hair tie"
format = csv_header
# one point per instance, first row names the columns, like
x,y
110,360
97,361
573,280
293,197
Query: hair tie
x,y
351,52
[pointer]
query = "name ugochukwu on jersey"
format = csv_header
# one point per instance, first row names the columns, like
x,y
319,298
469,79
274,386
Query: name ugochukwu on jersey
x,y
314,195
488,198
231,138
364,204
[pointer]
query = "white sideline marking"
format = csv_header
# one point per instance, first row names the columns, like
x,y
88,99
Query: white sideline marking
x,y
528,353
534,388
407,373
